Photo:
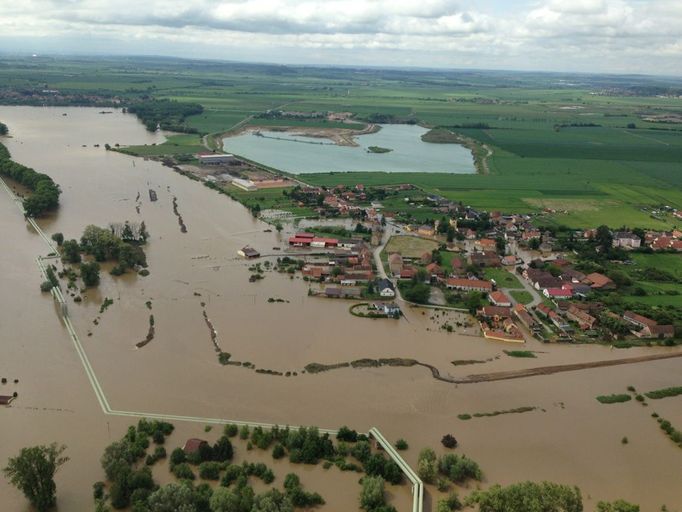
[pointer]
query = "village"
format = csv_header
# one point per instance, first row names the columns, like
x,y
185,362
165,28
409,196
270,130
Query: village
x,y
517,278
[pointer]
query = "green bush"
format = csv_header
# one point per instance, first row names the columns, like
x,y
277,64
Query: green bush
x,y
613,399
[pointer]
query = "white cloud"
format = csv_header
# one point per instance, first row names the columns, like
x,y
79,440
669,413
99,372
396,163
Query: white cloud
x,y
589,35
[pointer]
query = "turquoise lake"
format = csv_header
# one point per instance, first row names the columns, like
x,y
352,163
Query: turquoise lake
x,y
300,155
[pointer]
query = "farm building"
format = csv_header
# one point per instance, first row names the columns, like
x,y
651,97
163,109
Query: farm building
x,y
469,285
215,158
248,253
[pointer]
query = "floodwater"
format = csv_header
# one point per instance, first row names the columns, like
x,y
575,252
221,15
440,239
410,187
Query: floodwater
x,y
297,154
573,439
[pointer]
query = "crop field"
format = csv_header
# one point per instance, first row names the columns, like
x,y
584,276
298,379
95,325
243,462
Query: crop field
x,y
410,246
580,155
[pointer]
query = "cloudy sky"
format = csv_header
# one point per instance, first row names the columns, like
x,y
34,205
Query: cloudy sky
x,y
623,36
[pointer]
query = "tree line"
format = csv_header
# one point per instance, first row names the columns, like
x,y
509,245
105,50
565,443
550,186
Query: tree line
x,y
44,192
167,114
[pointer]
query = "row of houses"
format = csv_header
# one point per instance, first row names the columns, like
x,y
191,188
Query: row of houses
x,y
310,240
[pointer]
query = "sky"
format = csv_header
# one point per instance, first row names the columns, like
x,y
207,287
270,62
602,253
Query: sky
x,y
610,36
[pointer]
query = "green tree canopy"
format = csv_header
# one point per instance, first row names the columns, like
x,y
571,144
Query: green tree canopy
x,y
528,497
32,472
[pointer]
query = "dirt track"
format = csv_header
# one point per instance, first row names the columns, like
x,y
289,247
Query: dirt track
x,y
545,370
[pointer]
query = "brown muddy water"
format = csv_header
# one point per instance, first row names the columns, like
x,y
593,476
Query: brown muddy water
x,y
572,439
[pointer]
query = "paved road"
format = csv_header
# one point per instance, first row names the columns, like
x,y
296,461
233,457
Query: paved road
x,y
537,298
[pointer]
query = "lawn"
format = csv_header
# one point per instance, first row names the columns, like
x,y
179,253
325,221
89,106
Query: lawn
x,y
410,246
503,278
521,296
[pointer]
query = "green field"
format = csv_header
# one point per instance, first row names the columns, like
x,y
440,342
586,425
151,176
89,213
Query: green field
x,y
587,157
522,296
189,144
503,278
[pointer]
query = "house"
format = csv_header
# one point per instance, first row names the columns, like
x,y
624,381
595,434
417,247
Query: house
x,y
544,310
626,240
485,244
386,288
582,318
349,243
194,445
496,312
570,275
558,293
485,259
469,285
522,315
557,320
388,308
647,327
408,273
509,261
435,270
548,282
599,281
457,265
395,263
248,253
498,298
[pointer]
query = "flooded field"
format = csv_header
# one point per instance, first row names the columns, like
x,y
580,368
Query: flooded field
x,y
299,155
570,439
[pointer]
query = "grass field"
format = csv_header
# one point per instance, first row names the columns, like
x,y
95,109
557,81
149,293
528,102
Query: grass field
x,y
189,144
410,246
522,296
503,278
591,157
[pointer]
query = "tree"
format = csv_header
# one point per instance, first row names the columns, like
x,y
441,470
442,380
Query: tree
x,y
59,238
426,465
279,227
528,497
71,252
90,273
272,501
449,441
172,498
418,293
3,129
603,238
224,500
617,506
32,472
372,494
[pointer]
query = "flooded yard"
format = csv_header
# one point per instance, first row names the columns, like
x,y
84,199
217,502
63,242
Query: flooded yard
x,y
570,438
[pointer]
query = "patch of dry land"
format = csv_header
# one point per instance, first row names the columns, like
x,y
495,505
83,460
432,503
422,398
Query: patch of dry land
x,y
572,440
339,136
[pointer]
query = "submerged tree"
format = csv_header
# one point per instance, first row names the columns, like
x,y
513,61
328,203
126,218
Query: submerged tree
x,y
32,472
